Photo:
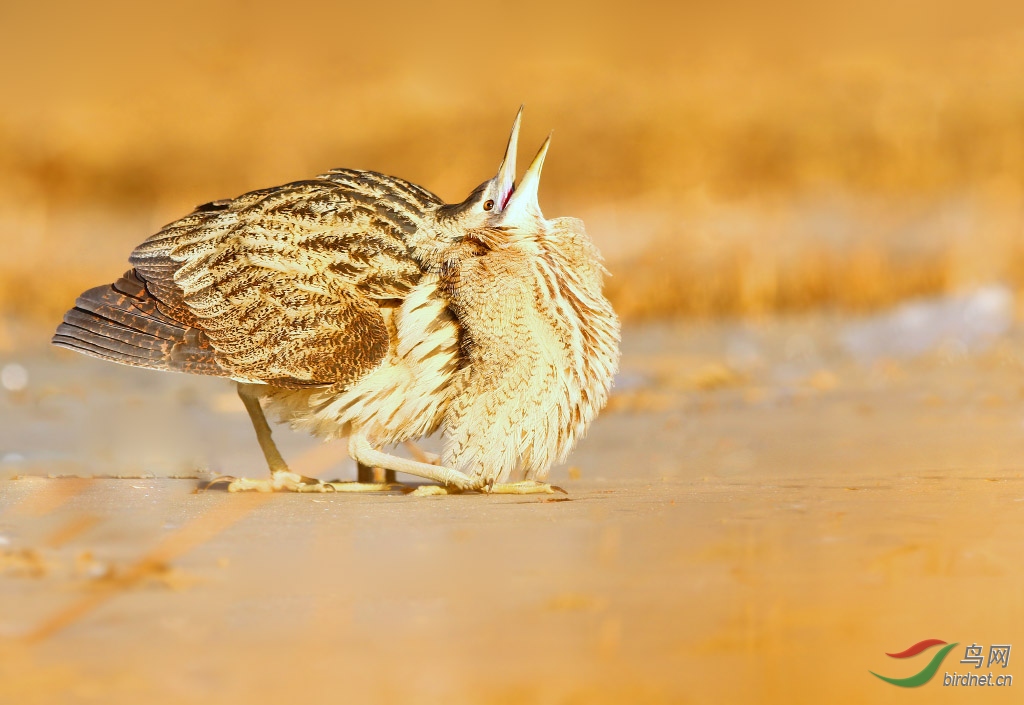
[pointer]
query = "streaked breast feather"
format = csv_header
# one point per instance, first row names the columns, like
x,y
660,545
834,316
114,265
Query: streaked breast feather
x,y
407,395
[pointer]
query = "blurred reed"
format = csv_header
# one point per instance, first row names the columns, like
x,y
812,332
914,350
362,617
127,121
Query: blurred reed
x,y
720,177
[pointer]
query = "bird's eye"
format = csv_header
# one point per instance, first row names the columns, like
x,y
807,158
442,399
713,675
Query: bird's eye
x,y
488,204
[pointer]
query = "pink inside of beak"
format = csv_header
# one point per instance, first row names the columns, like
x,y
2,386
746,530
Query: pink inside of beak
x,y
506,197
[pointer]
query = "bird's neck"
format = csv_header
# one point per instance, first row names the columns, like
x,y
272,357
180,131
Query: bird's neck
x,y
541,346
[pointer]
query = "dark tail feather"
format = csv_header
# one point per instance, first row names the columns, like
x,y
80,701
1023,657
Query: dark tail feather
x,y
122,322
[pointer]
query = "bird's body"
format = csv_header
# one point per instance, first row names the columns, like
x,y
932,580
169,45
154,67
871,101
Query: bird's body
x,y
403,398
313,291
358,304
542,350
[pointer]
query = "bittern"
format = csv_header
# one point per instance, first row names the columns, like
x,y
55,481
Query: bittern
x,y
361,305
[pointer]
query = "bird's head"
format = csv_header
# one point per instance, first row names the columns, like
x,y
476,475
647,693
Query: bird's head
x,y
499,215
519,224
521,214
483,207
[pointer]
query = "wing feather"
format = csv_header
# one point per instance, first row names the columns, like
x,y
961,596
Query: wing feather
x,y
288,283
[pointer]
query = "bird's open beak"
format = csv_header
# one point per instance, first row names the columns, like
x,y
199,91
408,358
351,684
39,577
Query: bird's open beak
x,y
524,200
506,177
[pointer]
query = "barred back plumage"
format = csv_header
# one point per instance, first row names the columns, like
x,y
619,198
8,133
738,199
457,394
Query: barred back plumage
x,y
361,304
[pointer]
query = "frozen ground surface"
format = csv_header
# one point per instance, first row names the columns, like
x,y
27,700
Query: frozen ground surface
x,y
764,511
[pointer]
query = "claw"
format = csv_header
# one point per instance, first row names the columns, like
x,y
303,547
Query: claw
x,y
219,480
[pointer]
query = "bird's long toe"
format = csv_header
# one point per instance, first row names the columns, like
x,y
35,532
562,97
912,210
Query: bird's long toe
x,y
279,481
525,487
364,486
432,491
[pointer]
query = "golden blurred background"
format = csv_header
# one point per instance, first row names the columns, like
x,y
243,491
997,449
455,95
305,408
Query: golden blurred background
x,y
729,158
767,507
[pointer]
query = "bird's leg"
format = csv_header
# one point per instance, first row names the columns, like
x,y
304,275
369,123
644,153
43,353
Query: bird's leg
x,y
367,474
251,401
281,478
362,451
373,479
380,476
364,473
428,465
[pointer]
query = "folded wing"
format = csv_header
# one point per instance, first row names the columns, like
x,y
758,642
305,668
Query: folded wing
x,y
286,286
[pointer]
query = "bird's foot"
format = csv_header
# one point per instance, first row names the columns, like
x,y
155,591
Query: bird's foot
x,y
279,481
287,481
524,487
355,486
433,491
